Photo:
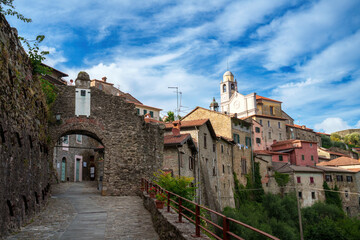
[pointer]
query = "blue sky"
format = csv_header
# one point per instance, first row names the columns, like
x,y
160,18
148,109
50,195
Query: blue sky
x,y
304,53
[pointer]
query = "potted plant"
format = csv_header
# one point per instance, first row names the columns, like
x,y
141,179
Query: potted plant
x,y
160,200
152,192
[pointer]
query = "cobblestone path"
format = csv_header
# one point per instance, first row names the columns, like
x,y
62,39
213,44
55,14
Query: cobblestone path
x,y
77,211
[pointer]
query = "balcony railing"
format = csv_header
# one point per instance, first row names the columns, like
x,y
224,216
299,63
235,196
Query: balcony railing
x,y
175,202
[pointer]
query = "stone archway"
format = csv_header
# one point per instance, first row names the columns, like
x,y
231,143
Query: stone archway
x,y
134,149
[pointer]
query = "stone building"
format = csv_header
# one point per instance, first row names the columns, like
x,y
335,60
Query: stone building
x,y
345,180
141,108
327,155
55,76
24,152
257,133
234,129
78,158
295,131
307,182
132,148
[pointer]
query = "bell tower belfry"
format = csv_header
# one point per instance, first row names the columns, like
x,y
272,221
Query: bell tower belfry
x,y
228,86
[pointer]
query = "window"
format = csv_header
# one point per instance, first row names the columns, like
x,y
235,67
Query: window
x,y
214,171
271,110
339,178
261,121
232,87
236,138
257,129
280,158
302,157
258,140
243,166
66,139
204,140
312,158
311,179
79,138
191,163
279,124
328,178
268,123
151,114
223,168
346,194
310,144
224,88
222,148
248,141
138,111
100,86
349,178
214,147
145,111
313,195
300,194
2,134
83,93
298,179
280,136
269,135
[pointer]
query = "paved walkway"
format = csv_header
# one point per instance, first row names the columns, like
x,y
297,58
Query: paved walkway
x,y
77,211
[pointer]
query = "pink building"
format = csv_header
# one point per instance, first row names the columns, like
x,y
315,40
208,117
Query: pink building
x,y
275,156
258,141
302,153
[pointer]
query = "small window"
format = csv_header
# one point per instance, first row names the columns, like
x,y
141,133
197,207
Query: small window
x,y
100,86
222,148
339,178
257,129
83,93
268,123
66,139
151,114
79,138
223,168
191,163
248,141
280,138
280,158
261,121
145,111
232,87
236,138
269,135
30,142
243,166
214,147
224,88
313,195
279,124
138,111
311,179
271,110
302,157
312,158
346,194
328,178
2,134
205,140
300,194
258,140
349,178
298,179
310,144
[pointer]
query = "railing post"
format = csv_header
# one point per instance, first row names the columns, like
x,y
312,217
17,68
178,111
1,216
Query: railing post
x,y
180,216
226,228
168,201
197,220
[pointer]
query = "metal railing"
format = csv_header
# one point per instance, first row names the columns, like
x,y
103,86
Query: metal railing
x,y
178,206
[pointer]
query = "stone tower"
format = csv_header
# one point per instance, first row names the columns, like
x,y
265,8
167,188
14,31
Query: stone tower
x,y
214,106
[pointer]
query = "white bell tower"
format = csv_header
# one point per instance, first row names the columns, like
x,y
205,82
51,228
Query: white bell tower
x,y
227,88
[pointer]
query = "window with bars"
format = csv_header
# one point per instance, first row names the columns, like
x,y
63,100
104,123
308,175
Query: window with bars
x,y
311,179
298,179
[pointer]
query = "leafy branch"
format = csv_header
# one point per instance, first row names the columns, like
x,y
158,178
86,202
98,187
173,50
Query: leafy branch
x,y
10,10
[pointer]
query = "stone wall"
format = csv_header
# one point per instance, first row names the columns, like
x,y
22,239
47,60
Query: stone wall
x,y
24,169
133,148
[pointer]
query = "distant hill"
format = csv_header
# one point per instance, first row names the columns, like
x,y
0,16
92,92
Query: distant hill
x,y
347,131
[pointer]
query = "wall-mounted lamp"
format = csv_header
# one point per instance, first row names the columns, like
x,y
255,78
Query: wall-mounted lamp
x,y
58,117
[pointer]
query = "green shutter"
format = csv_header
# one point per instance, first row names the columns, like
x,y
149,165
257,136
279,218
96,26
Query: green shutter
x,y
152,114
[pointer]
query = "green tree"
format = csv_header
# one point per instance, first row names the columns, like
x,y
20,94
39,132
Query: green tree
x,y
352,138
335,137
7,8
259,193
326,141
281,179
170,116
332,196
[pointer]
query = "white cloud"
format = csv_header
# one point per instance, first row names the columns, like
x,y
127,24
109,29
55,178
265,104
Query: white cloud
x,y
330,125
55,57
357,124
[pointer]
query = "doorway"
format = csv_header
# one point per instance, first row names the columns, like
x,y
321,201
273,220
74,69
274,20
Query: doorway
x,y
63,169
78,168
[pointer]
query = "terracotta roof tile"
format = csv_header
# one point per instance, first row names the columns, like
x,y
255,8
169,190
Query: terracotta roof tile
x,y
258,97
266,152
300,127
178,139
279,143
341,161
190,123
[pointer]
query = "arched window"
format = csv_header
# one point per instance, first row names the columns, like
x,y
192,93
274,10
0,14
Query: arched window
x,y
232,87
224,88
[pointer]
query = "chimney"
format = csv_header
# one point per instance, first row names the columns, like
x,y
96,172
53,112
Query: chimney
x,y
176,128
104,79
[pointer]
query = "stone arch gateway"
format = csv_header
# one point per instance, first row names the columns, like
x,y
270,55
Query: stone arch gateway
x,y
134,149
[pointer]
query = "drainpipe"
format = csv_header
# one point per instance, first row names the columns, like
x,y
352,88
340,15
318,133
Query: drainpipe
x,y
199,165
179,166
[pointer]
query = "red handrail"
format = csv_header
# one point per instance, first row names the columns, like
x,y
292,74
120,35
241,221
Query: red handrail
x,y
226,220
